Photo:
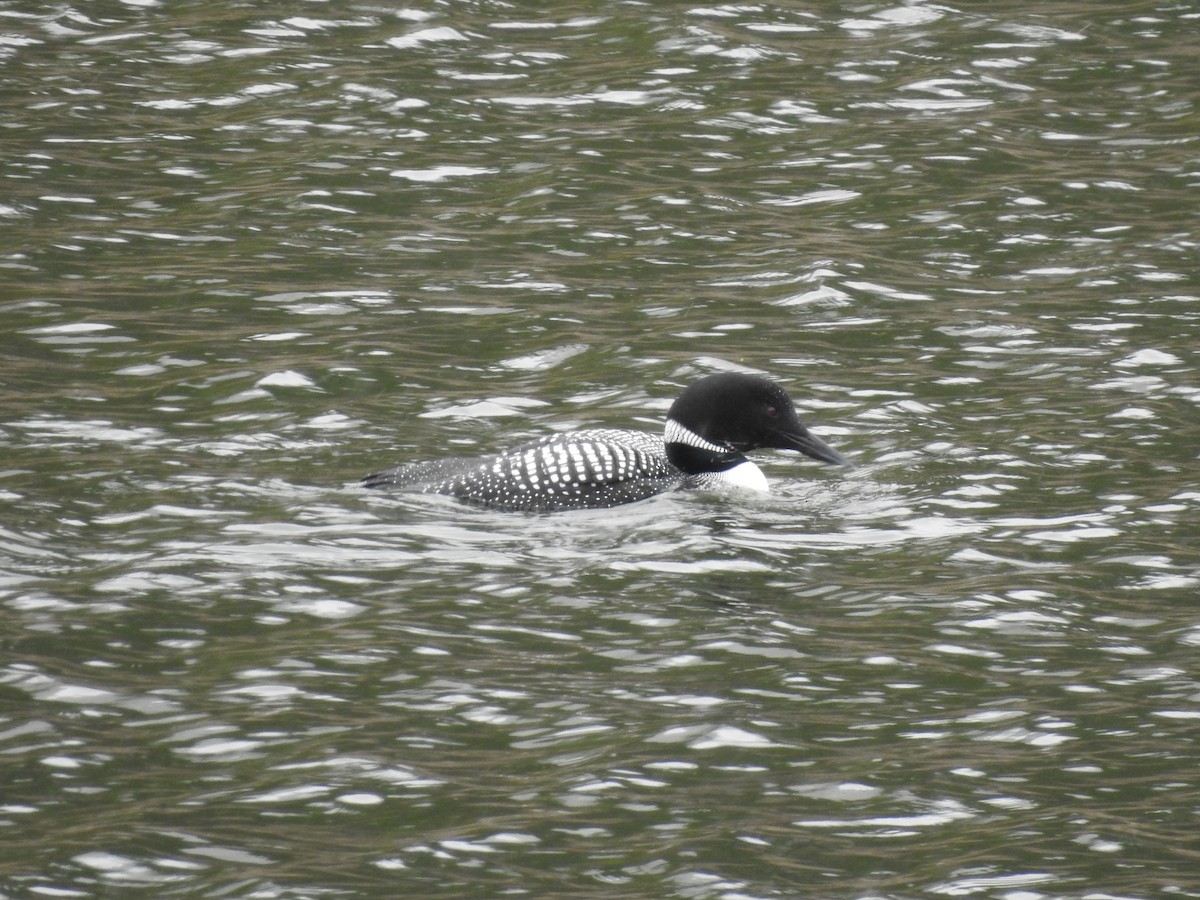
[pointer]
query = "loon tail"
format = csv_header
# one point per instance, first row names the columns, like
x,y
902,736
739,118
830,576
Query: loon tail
x,y
419,476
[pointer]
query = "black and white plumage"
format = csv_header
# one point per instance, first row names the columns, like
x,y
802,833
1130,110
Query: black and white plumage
x,y
709,429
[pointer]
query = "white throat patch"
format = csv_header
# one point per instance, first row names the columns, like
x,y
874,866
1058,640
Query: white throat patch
x,y
746,476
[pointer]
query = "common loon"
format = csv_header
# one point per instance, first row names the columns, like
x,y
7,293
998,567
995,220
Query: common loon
x,y
709,428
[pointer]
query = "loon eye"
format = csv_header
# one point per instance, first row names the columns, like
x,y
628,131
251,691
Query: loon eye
x,y
772,412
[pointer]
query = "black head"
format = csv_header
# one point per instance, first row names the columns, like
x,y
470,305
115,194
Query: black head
x,y
743,412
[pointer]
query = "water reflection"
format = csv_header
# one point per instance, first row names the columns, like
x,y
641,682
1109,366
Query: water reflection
x,y
250,251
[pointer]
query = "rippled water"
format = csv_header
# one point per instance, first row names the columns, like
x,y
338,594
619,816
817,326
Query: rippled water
x,y
253,251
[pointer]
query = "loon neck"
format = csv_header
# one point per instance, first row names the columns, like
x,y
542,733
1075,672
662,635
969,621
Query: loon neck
x,y
694,455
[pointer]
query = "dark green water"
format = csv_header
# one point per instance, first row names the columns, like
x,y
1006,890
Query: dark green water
x,y
251,251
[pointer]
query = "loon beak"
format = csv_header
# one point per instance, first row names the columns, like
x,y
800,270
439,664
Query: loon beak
x,y
810,445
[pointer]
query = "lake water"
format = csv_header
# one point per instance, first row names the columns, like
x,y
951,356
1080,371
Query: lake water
x,y
252,251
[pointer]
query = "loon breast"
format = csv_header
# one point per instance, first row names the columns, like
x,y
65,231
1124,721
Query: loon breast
x,y
744,476
591,469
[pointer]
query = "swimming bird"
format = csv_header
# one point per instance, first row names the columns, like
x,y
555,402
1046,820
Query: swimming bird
x,y
709,429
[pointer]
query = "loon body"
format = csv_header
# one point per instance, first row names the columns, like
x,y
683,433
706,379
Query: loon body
x,y
709,429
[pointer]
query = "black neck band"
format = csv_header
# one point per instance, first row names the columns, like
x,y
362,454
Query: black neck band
x,y
698,460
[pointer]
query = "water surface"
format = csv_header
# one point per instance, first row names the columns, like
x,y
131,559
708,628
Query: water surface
x,y
252,252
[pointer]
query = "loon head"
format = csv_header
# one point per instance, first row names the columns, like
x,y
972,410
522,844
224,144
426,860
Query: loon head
x,y
721,417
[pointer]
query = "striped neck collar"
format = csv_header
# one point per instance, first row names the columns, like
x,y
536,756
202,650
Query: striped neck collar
x,y
694,455
674,433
